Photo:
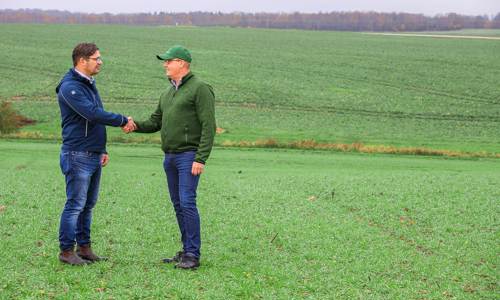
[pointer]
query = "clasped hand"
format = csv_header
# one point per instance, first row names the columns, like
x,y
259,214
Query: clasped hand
x,y
130,126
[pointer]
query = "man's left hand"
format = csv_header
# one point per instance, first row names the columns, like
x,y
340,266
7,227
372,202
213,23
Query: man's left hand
x,y
104,159
197,168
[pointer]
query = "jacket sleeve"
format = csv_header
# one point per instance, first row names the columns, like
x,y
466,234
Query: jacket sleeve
x,y
88,109
153,124
205,109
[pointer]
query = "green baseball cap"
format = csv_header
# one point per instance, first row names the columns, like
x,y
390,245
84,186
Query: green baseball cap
x,y
176,52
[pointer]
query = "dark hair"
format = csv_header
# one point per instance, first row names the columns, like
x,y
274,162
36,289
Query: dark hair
x,y
83,50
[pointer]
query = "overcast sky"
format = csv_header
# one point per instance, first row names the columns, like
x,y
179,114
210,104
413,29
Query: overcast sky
x,y
428,7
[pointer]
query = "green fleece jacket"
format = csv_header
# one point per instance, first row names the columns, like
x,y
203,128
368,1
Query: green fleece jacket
x,y
186,118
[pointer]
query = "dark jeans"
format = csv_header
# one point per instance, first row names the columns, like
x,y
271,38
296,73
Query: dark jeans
x,y
182,188
82,171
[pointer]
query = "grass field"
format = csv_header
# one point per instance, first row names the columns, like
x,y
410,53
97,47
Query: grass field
x,y
276,224
284,85
467,32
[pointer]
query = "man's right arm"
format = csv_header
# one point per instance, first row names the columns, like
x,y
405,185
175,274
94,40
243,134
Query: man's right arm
x,y
153,124
87,109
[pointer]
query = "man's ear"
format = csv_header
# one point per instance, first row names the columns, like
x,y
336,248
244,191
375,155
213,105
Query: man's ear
x,y
81,60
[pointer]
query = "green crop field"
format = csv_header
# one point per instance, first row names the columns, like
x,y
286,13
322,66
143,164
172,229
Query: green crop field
x,y
276,224
467,32
285,85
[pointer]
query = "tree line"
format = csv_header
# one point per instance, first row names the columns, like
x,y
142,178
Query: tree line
x,y
348,21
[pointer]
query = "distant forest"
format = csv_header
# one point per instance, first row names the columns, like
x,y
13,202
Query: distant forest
x,y
348,21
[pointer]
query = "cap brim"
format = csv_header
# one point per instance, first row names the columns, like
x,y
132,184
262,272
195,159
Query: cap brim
x,y
165,56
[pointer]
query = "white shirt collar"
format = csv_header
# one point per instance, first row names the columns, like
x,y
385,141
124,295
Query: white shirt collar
x,y
91,79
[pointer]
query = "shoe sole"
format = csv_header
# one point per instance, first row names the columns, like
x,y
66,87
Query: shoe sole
x,y
192,268
86,262
92,260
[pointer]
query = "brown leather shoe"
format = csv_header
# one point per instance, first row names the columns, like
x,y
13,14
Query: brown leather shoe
x,y
85,252
69,257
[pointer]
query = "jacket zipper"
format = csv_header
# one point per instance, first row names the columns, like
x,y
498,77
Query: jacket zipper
x,y
186,134
93,97
87,121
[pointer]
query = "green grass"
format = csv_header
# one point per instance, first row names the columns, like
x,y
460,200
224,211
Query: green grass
x,y
276,224
288,85
466,32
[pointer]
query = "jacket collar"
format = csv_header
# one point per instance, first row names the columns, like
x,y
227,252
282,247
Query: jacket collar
x,y
81,77
183,80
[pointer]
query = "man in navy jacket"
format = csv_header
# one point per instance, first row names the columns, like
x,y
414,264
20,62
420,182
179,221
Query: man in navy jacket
x,y
83,152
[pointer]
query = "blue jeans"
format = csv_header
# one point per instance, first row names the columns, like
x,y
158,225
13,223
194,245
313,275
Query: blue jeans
x,y
182,188
82,171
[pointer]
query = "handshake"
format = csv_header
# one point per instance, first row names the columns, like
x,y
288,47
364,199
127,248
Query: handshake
x,y
130,126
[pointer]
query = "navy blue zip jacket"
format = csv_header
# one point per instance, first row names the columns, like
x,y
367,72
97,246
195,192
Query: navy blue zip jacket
x,y
83,118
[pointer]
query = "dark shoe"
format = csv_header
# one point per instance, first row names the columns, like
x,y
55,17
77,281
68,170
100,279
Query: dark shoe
x,y
69,257
85,252
177,258
188,262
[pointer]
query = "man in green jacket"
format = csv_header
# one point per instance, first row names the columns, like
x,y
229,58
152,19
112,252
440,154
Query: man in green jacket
x,y
186,117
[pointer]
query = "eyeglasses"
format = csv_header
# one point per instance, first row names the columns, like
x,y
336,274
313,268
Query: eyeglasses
x,y
97,59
